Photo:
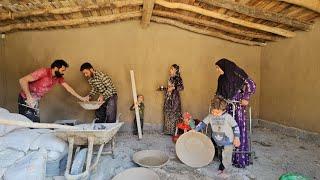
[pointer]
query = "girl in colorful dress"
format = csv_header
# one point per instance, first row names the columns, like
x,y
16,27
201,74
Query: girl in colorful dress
x,y
172,103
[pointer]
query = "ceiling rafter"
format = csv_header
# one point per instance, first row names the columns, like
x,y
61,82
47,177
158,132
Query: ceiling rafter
x,y
249,24
215,25
148,6
205,31
67,10
258,13
313,5
70,22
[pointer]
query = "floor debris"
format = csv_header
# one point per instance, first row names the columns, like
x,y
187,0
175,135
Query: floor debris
x,y
284,155
262,143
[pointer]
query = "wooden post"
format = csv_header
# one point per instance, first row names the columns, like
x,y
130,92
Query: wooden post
x,y
147,12
136,108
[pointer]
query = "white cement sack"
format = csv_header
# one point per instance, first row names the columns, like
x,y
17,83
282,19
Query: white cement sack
x,y
19,139
78,162
43,131
2,171
3,111
9,156
53,155
49,142
5,129
31,167
14,116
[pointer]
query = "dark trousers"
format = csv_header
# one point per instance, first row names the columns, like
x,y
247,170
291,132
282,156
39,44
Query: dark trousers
x,y
225,157
32,114
215,148
220,149
107,113
218,154
135,127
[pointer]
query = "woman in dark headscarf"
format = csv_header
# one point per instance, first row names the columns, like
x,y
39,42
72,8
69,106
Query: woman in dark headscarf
x,y
234,84
172,103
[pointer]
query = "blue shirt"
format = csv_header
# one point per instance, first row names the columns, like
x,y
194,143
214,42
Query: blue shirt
x,y
224,128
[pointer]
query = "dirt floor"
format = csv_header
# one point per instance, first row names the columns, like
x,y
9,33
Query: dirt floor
x,y
276,154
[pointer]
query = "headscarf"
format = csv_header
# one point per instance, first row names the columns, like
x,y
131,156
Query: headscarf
x,y
177,68
232,80
176,80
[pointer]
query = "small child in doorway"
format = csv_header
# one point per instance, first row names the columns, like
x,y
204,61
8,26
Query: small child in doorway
x,y
140,104
225,133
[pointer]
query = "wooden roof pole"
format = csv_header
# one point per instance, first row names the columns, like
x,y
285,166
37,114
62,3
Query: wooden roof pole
x,y
309,4
67,10
135,100
70,22
262,27
259,13
215,25
147,12
204,31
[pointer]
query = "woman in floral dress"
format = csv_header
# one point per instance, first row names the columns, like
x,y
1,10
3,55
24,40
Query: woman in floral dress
x,y
235,84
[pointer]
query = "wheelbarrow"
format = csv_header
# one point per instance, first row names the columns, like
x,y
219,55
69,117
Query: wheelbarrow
x,y
87,134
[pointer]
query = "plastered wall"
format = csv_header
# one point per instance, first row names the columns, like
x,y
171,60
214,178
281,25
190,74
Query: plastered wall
x,y
117,48
290,81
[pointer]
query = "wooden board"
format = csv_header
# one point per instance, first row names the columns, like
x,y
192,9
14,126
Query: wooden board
x,y
36,125
136,108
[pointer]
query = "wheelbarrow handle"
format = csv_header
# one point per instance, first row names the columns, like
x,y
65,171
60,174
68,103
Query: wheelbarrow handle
x,y
28,107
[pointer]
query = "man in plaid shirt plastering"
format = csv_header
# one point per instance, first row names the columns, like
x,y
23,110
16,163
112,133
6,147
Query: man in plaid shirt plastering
x,y
101,83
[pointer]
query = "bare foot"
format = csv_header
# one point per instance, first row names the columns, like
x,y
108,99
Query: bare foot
x,y
223,174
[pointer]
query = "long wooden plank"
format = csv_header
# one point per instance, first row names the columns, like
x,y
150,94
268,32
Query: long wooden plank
x,y
35,125
313,5
258,13
70,22
182,6
68,10
136,108
205,32
215,25
147,12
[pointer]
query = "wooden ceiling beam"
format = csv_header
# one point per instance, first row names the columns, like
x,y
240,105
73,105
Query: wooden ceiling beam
x,y
313,5
147,12
70,22
245,23
68,10
215,25
205,31
259,13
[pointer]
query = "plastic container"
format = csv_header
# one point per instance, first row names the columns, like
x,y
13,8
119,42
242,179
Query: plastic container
x,y
293,176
